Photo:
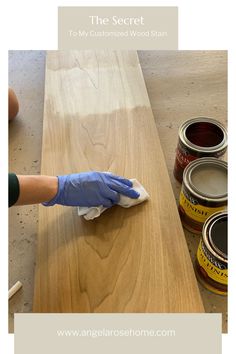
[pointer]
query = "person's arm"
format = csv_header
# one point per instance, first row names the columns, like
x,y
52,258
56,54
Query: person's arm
x,y
36,189
78,189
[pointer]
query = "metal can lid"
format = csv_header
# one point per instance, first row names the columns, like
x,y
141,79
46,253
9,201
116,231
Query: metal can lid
x,y
218,235
203,134
215,234
206,178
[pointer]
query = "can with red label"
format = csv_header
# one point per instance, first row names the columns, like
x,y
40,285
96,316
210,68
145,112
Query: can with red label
x,y
199,137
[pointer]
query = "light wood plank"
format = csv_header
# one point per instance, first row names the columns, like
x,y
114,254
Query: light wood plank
x,y
97,116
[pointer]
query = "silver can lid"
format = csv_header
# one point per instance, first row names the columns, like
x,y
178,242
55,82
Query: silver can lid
x,y
206,178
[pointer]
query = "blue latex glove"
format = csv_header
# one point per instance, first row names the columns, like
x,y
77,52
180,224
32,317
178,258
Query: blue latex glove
x,y
90,189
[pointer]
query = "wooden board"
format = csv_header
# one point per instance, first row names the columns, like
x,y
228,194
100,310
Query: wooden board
x,y
97,116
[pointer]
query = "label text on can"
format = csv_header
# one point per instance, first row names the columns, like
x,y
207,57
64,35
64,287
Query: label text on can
x,y
196,211
215,270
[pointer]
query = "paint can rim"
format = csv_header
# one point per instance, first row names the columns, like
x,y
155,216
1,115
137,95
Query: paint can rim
x,y
187,180
206,235
197,148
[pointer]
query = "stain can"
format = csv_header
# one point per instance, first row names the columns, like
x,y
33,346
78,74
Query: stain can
x,y
203,192
212,255
199,137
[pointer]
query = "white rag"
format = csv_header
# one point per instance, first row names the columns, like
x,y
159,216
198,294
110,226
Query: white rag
x,y
90,213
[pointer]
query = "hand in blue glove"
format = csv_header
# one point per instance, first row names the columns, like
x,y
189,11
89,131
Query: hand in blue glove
x,y
90,189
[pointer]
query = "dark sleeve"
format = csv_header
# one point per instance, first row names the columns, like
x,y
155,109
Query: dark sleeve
x,y
13,189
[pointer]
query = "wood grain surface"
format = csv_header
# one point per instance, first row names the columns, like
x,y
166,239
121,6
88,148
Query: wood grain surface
x,y
97,116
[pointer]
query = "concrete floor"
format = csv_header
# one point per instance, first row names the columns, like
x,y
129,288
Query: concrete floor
x,y
201,82
26,76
